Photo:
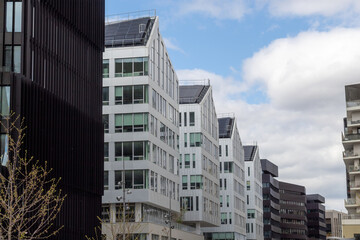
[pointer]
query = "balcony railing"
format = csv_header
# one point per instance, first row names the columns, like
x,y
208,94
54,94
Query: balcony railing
x,y
161,221
352,168
349,137
351,216
353,104
354,185
349,154
354,122
350,201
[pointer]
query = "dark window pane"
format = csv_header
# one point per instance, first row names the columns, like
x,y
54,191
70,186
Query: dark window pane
x,y
105,96
4,149
105,68
106,151
127,67
138,67
118,151
138,179
8,57
106,123
118,179
118,68
127,91
146,66
128,179
139,94
127,150
138,150
128,122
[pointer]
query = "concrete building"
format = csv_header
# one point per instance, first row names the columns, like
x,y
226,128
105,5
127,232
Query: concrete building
x,y
232,178
351,157
254,195
140,116
316,216
271,200
293,211
199,159
333,221
50,76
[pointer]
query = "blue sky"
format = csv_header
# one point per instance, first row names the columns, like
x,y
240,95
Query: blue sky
x,y
279,66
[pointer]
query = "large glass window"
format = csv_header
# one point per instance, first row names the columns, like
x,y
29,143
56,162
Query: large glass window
x,y
9,16
196,182
18,15
195,139
105,96
13,12
192,119
127,95
130,151
4,148
128,67
137,122
228,167
251,213
5,100
105,68
187,160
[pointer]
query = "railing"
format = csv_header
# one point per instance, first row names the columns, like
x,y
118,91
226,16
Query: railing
x,y
130,15
349,137
160,221
354,185
351,216
352,103
353,169
350,201
349,154
205,82
354,122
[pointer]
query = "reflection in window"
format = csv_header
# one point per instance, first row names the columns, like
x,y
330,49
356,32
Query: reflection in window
x,y
137,122
5,100
131,94
12,64
105,68
4,148
128,67
130,151
105,96
10,11
195,139
136,179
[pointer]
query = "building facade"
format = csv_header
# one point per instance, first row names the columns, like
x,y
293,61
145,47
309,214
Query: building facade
x,y
232,183
50,75
254,195
333,221
351,158
140,117
199,159
293,211
271,200
316,216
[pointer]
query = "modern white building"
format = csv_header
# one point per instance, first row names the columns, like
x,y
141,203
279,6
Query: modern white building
x,y
232,183
199,159
254,197
351,157
140,115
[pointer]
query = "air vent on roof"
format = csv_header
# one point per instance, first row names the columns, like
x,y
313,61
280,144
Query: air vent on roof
x,y
142,27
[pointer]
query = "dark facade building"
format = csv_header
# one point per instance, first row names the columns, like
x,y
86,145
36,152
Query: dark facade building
x,y
293,211
316,216
51,74
271,200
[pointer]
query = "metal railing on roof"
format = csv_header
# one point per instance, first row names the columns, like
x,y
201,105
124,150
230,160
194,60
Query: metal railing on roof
x,y
130,15
205,82
224,115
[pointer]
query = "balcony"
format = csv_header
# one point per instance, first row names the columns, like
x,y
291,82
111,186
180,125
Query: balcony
x,y
352,104
351,216
350,137
349,154
351,202
351,122
354,185
354,169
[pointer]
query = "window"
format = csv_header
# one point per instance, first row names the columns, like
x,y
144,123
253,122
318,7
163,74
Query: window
x,y
195,139
4,148
224,183
106,151
13,58
185,139
247,185
137,122
130,151
228,167
118,95
184,182
250,213
179,119
105,96
248,171
192,119
227,200
247,199
127,95
226,150
186,203
220,152
136,94
185,119
13,13
187,160
193,160
5,100
196,182
106,180
223,218
106,123
128,67
105,68
221,200
105,213
118,180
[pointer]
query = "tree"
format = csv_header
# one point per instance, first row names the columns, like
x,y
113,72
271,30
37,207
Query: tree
x,y
29,199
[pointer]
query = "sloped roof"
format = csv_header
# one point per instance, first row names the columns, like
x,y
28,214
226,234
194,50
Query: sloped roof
x,y
249,152
226,125
192,93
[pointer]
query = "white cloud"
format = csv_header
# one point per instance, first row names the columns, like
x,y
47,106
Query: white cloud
x,y
218,9
299,127
312,7
169,43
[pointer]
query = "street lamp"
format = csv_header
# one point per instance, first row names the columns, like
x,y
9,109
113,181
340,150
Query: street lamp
x,y
168,217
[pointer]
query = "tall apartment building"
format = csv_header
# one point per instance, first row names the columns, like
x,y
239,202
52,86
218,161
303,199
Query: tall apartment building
x,y
50,74
199,159
351,157
333,221
140,115
254,195
293,211
316,216
271,200
232,183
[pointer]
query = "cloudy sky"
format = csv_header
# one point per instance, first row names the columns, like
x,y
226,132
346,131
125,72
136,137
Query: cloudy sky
x,y
280,66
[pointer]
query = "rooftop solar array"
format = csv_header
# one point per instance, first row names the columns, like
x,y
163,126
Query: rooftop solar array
x,y
225,127
192,93
128,33
249,152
